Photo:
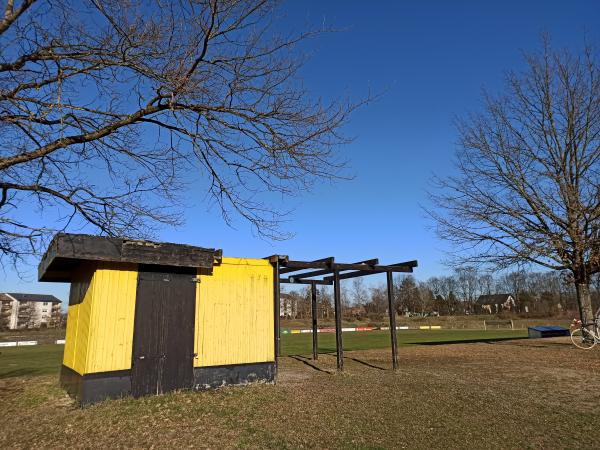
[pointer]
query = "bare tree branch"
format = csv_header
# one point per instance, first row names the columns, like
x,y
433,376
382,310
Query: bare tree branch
x,y
108,110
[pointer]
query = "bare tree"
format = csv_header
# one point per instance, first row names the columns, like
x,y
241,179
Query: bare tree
x,y
409,298
486,283
513,282
108,109
467,283
379,301
359,293
527,188
444,289
325,303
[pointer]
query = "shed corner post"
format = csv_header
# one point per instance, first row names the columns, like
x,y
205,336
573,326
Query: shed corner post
x,y
338,320
313,291
277,306
392,315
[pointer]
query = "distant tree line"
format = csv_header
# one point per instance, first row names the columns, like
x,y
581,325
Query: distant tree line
x,y
535,294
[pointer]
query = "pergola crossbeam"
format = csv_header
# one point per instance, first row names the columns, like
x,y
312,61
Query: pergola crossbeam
x,y
292,280
373,270
294,266
330,270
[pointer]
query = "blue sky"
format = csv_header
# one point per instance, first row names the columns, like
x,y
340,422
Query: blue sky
x,y
431,60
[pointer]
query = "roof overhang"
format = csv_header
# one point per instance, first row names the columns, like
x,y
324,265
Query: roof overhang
x,y
66,251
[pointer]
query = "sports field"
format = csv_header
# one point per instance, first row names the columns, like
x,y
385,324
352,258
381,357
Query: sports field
x,y
486,394
46,359
294,344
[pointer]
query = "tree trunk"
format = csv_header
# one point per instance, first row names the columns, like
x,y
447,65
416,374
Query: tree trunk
x,y
584,300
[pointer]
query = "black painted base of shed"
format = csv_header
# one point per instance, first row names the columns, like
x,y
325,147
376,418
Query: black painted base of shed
x,y
95,387
215,376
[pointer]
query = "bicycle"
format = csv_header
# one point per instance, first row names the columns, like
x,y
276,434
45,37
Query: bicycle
x,y
585,336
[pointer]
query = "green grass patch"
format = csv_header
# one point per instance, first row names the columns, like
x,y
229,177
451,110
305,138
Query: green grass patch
x,y
47,359
27,361
301,344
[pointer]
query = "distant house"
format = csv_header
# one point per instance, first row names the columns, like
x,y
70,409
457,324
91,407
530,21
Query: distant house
x,y
495,303
288,306
19,311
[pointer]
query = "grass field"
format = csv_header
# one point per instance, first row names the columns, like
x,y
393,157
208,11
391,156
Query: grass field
x,y
472,322
495,394
475,322
46,359
295,344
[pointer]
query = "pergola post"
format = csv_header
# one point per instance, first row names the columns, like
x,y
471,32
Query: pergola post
x,y
338,320
392,314
313,292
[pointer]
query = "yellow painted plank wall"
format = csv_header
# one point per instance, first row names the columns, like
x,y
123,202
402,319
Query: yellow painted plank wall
x,y
99,335
112,316
234,314
80,305
71,337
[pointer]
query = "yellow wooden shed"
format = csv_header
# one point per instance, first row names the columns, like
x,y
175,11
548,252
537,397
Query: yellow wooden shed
x,y
147,318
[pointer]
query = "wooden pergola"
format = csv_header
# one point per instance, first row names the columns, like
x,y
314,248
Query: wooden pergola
x,y
326,271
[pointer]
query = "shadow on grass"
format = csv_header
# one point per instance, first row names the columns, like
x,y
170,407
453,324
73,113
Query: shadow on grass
x,y
305,360
365,363
541,344
466,341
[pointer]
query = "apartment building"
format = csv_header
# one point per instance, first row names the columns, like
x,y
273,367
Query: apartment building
x,y
19,311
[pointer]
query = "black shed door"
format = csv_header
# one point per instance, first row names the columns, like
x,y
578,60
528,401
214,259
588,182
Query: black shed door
x,y
163,337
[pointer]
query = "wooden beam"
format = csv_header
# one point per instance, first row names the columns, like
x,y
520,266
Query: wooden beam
x,y
374,268
294,266
339,345
359,272
329,259
277,307
275,258
330,270
392,314
313,295
292,280
356,273
316,273
412,263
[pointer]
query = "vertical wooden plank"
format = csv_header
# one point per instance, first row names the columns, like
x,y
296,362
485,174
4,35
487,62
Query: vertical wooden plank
x,y
313,292
146,356
338,320
392,314
276,289
114,292
178,324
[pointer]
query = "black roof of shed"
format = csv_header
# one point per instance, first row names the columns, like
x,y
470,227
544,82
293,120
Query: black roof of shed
x,y
66,251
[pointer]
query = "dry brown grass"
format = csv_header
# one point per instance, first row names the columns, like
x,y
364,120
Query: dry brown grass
x,y
511,394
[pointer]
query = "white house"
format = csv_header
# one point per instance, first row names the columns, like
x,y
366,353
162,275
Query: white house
x,y
288,306
495,303
19,310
